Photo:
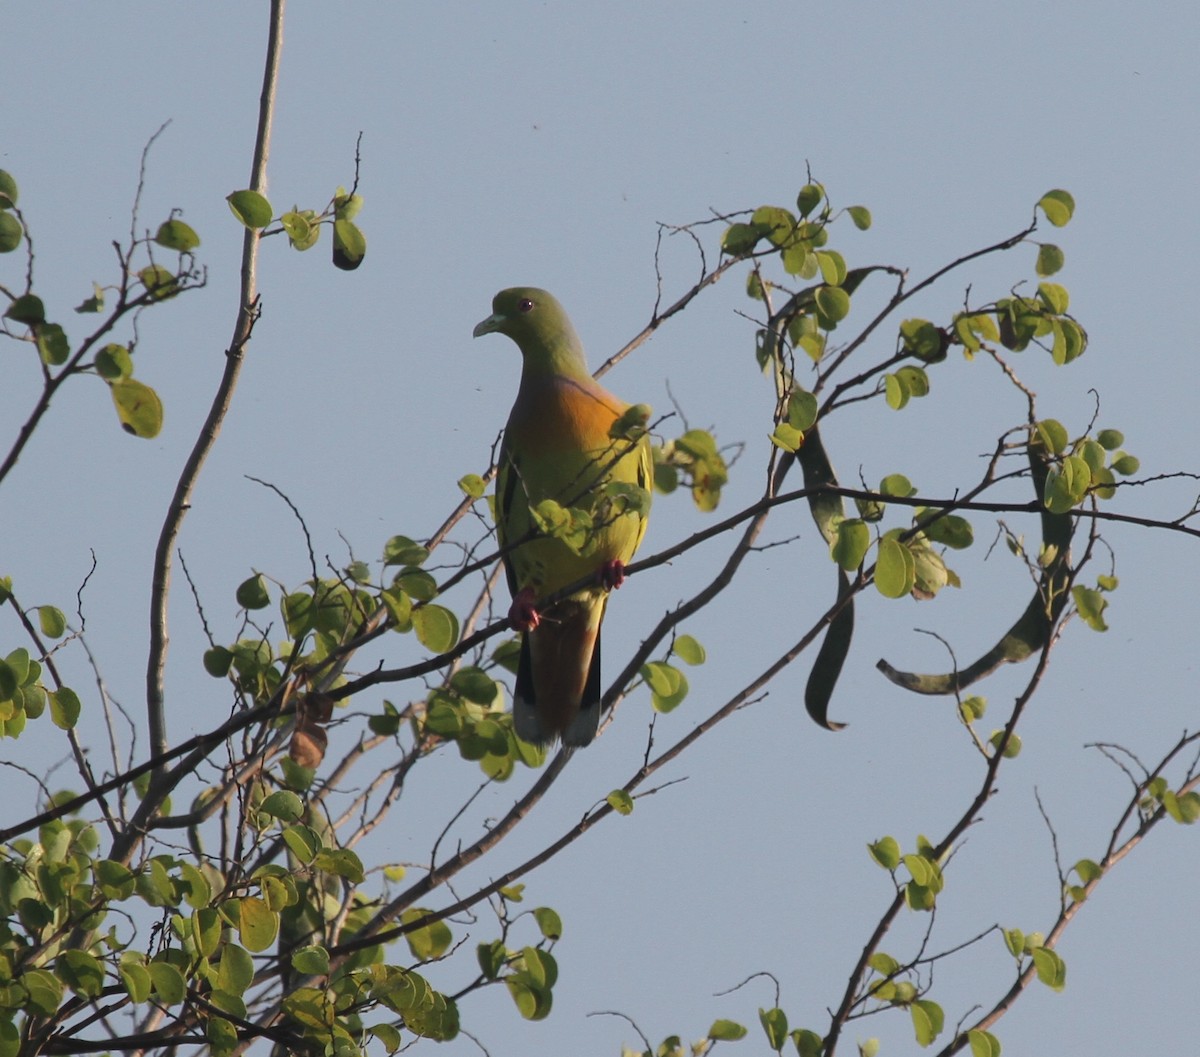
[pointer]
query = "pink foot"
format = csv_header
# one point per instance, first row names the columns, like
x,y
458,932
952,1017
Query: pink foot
x,y
523,614
612,574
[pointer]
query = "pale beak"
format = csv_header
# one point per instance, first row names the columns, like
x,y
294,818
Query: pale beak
x,y
488,326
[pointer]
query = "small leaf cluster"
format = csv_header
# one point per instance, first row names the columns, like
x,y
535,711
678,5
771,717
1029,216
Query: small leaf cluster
x,y
138,407
469,711
1051,969
22,694
907,561
1182,807
924,868
1084,466
694,461
303,226
530,972
799,238
667,682
774,1023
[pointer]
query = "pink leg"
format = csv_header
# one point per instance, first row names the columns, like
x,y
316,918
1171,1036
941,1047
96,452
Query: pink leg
x,y
523,614
612,574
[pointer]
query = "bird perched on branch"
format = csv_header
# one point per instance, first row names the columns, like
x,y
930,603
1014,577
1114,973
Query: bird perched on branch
x,y
572,495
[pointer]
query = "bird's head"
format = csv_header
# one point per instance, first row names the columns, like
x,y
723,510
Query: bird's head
x,y
537,323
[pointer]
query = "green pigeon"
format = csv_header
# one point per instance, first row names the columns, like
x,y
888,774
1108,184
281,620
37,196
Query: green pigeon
x,y
568,440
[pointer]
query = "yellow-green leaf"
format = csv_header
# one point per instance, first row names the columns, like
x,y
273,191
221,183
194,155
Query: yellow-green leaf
x,y
138,407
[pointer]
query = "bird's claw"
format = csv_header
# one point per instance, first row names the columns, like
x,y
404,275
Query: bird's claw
x,y
612,574
523,615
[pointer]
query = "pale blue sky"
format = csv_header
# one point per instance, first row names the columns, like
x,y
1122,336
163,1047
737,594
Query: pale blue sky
x,y
540,143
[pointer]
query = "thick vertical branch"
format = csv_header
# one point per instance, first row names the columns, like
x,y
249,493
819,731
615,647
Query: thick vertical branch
x,y
243,327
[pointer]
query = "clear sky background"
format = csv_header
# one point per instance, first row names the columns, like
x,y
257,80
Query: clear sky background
x,y
541,143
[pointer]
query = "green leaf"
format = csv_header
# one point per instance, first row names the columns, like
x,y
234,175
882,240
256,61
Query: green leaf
x,y
802,410
64,708
236,970
925,341
549,922
928,1020
1058,206
688,650
787,437
1053,435
472,485
400,550
257,924
346,206
491,958
972,708
740,238
52,344
113,362
1050,259
1091,605
168,982
1051,969
174,234
833,304
668,685
95,303
726,1031
895,569
1184,809
283,804
1110,439
303,842
311,961
52,621
833,267
809,198
138,407
1012,747
869,1048
950,530
159,282
349,245
807,1043
135,978
897,484
8,190
301,227
1125,465
1067,484
11,232
774,1022
915,380
341,862
851,544
620,801
430,941
886,852
861,216
27,309
115,880
983,1043
1054,297
251,208
436,627
883,964
81,972
895,391
252,593
217,661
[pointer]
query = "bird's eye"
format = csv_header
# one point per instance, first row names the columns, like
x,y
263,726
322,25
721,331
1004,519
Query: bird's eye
x,y
524,305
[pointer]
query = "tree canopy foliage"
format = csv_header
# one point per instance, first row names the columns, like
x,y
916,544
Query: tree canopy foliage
x,y
214,892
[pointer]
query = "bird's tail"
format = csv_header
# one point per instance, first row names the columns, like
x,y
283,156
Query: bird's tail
x,y
557,694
